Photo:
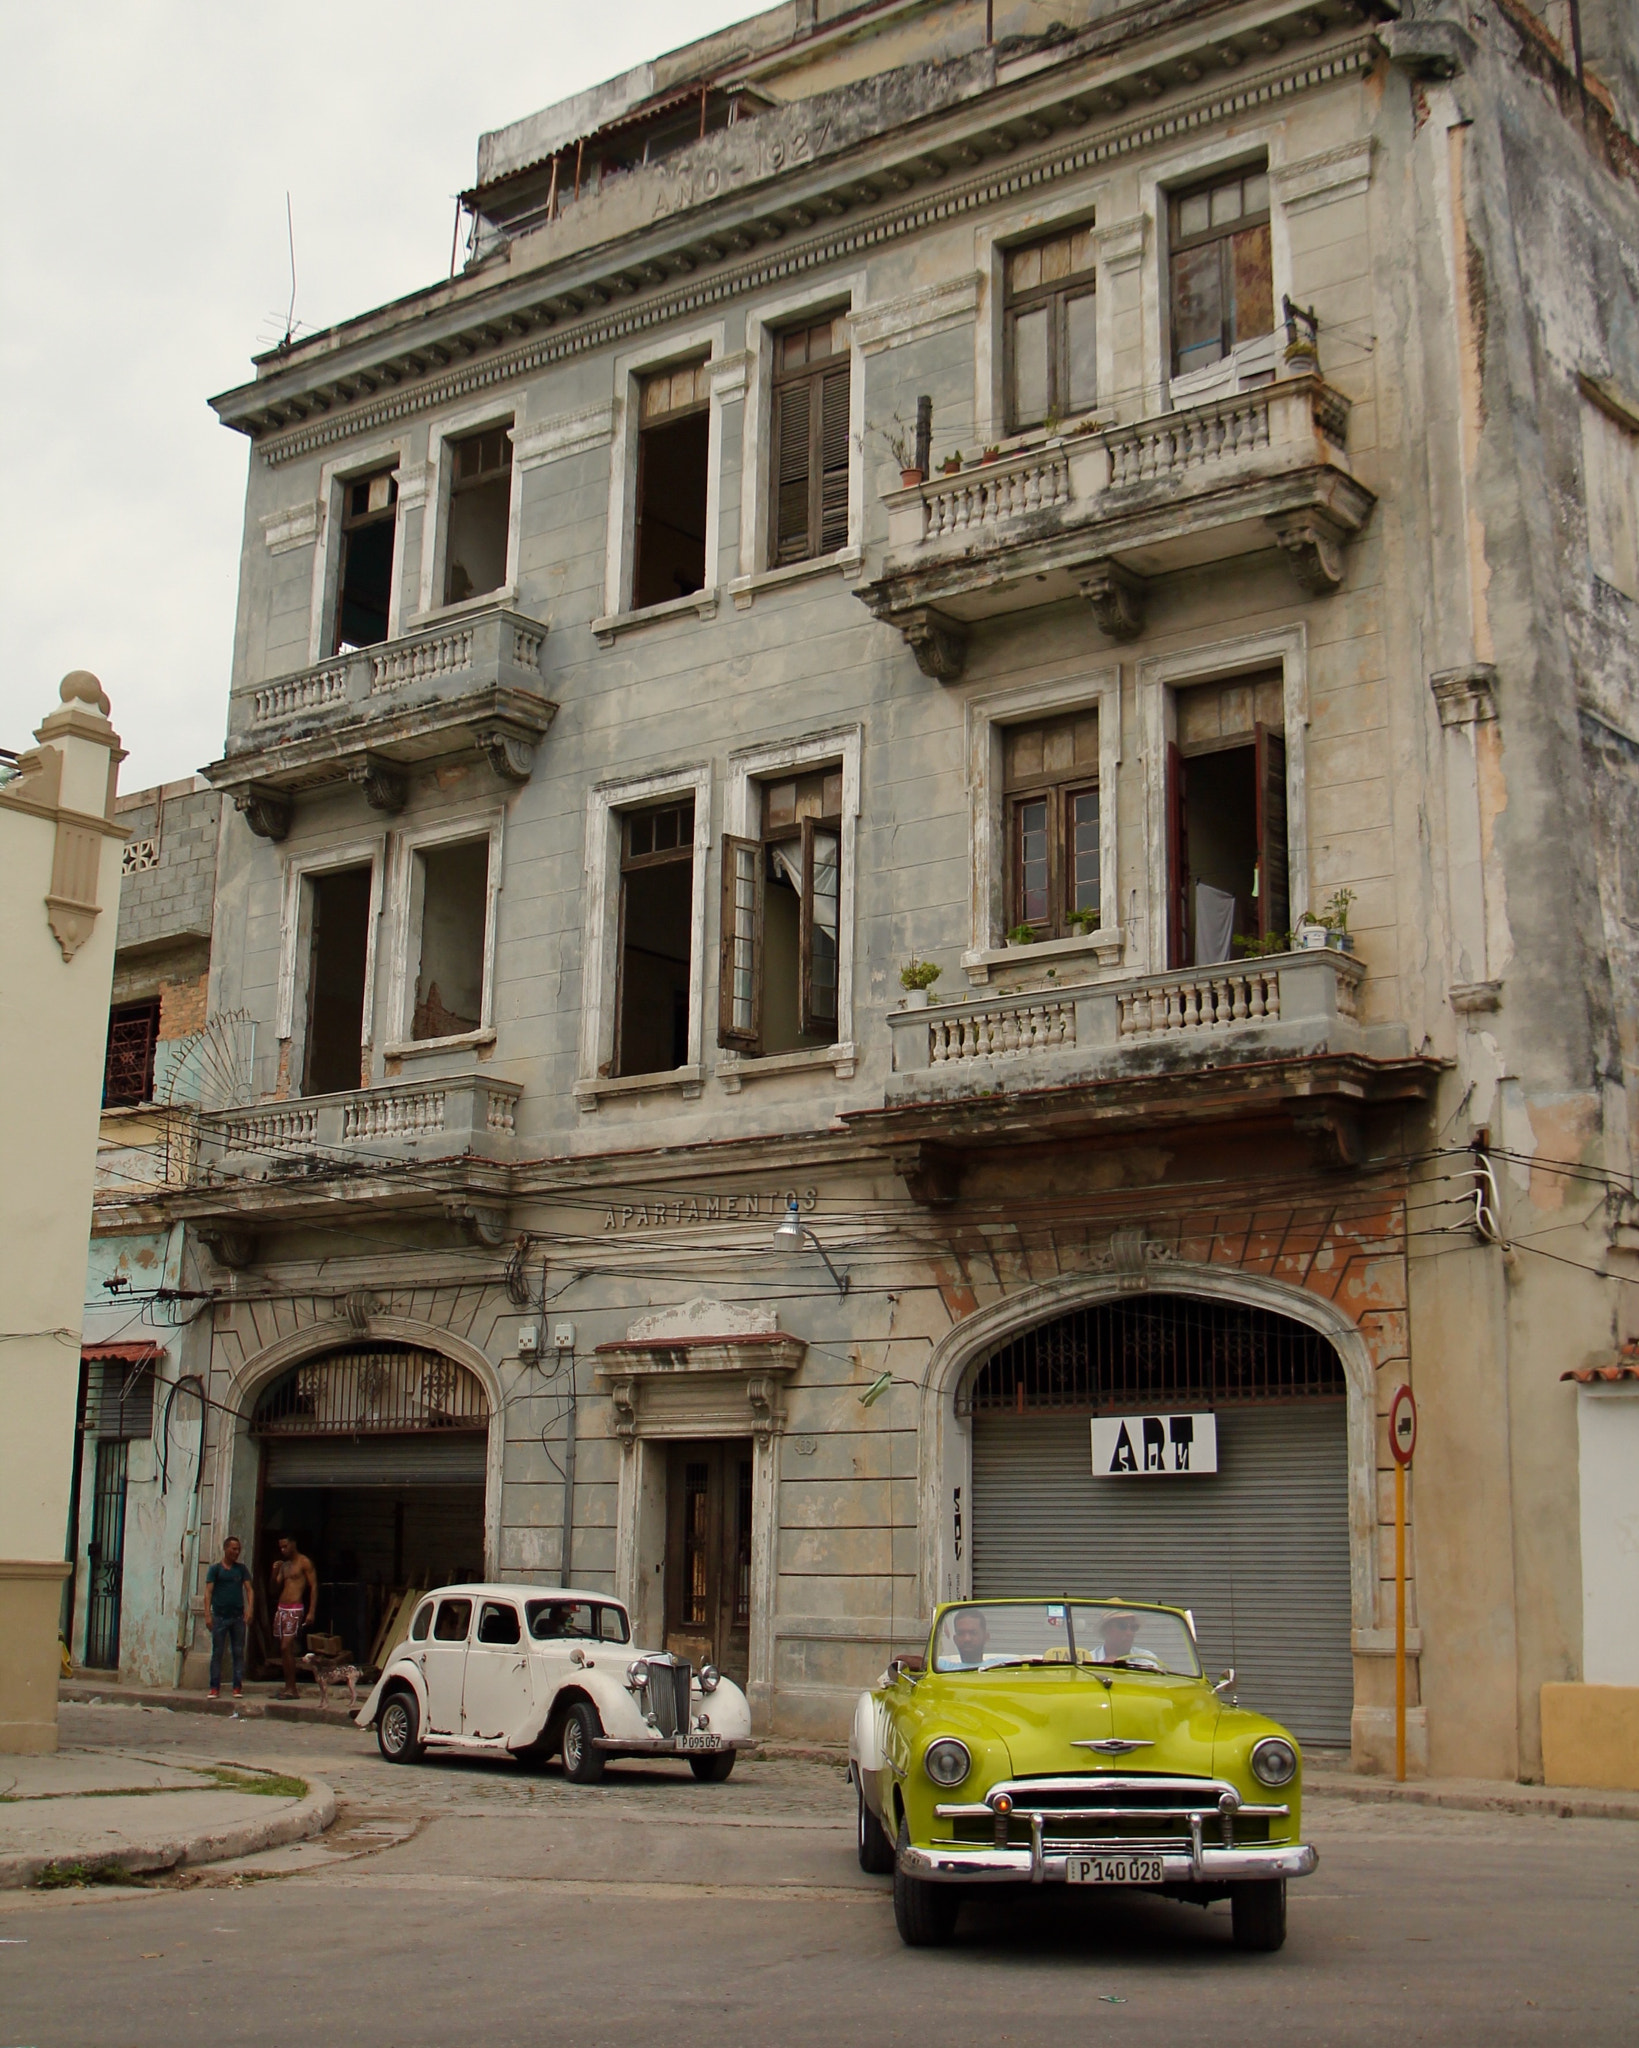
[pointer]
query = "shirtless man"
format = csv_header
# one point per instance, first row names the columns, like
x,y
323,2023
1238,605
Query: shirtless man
x,y
296,1588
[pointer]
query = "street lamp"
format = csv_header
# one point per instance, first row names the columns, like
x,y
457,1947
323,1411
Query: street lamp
x,y
791,1234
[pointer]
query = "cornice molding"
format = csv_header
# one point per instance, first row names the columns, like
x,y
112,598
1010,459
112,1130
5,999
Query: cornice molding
x,y
1000,179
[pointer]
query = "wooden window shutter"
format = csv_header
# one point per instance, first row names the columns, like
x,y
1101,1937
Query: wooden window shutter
x,y
791,476
740,959
833,463
819,931
1274,891
1177,859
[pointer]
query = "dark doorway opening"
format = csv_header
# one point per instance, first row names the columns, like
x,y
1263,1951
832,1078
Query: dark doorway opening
x,y
671,511
365,585
335,987
105,1556
708,1553
656,939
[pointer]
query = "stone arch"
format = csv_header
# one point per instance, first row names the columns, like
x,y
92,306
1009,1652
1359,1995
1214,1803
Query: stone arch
x,y
317,1340
945,1454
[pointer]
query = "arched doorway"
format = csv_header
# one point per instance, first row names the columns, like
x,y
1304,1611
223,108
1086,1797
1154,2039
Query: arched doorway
x,y
1258,1550
374,1458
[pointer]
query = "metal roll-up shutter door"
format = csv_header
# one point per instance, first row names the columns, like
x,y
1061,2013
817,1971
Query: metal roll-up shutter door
x,y
421,1459
1259,1551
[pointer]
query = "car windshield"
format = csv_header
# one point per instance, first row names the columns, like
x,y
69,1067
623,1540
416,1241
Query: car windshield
x,y
983,1635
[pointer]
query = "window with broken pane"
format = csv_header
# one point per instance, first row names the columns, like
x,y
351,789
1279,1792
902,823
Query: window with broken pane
x,y
1226,818
450,919
1050,780
1222,288
781,936
364,576
1050,340
810,441
128,1067
674,417
656,938
475,553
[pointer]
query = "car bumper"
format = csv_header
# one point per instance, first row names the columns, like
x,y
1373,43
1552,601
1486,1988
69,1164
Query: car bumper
x,y
957,1863
666,1745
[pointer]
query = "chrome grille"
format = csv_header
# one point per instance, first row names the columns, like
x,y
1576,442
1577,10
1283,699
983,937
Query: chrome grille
x,y
668,1693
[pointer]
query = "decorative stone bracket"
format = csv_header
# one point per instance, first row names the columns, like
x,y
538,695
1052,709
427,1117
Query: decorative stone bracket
x,y
386,787
1115,597
672,1371
266,811
1314,548
938,643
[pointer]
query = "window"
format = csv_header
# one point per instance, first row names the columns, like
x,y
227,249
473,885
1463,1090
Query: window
x,y
364,582
423,1621
810,442
656,938
674,413
338,950
1050,340
450,911
480,512
128,1066
782,893
1222,279
1610,466
1050,776
498,1623
612,1626
1226,820
454,1617
119,1399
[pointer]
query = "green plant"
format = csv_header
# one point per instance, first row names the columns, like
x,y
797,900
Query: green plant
x,y
1082,922
919,973
1260,949
952,464
1336,918
1023,935
1051,424
899,438
991,454
63,1877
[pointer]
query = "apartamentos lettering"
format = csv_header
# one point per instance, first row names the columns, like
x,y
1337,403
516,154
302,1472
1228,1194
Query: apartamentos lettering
x,y
737,1208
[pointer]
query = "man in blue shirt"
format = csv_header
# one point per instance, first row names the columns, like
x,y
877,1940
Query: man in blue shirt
x,y
230,1598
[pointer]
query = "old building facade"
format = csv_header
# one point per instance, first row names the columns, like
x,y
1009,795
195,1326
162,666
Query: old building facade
x,y
1130,507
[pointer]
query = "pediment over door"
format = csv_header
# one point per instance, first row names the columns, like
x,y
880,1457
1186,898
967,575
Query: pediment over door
x,y
709,1368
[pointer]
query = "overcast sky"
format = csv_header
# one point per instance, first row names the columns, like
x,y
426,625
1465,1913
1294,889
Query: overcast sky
x,y
146,147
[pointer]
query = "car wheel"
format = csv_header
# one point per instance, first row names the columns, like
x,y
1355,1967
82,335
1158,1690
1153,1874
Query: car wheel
x,y
713,1769
582,1763
924,1913
1258,1913
398,1728
875,1850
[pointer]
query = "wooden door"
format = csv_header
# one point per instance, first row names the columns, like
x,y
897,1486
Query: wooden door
x,y
708,1553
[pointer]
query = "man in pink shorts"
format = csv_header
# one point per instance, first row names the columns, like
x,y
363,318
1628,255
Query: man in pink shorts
x,y
296,1594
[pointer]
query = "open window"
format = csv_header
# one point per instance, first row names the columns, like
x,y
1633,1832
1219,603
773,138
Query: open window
x,y
128,1066
449,921
674,414
1050,779
480,508
1221,273
364,577
338,954
782,892
1050,342
810,441
1226,821
656,942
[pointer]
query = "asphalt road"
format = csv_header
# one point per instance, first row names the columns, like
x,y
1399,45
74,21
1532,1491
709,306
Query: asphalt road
x,y
463,1903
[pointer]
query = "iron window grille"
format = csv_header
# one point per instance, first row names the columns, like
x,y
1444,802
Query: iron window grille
x,y
128,1067
372,1393
119,1399
1155,1351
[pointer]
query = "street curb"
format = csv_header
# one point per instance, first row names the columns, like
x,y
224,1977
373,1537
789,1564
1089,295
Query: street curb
x,y
294,1823
81,1693
1547,1802
802,1752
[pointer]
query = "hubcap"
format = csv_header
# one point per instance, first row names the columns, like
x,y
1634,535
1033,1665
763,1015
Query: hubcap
x,y
395,1726
571,1745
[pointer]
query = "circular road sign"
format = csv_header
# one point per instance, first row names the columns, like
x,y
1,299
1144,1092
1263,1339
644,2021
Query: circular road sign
x,y
1402,1425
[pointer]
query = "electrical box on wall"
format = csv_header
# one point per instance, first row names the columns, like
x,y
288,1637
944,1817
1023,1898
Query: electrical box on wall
x,y
563,1336
529,1340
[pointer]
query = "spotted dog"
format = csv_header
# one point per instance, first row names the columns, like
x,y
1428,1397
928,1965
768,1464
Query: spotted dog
x,y
327,1674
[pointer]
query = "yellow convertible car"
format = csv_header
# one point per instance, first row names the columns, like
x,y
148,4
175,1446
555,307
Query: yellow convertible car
x,y
1073,1742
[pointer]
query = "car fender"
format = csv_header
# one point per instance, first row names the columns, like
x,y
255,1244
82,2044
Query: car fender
x,y
398,1672
867,1750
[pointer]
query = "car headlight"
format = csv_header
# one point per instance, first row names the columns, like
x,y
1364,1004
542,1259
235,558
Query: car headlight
x,y
637,1674
710,1678
1274,1761
947,1761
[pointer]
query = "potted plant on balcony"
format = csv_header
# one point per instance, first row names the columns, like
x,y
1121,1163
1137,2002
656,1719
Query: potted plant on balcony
x,y
1023,935
1328,927
1082,923
952,464
899,439
916,978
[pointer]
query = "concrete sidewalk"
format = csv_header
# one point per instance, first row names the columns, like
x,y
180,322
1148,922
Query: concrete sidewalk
x,y
261,1702
81,1811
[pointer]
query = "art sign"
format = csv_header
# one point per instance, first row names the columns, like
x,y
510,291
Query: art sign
x,y
1154,1446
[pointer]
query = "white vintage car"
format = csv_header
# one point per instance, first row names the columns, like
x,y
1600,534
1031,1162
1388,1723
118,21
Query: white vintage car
x,y
509,1669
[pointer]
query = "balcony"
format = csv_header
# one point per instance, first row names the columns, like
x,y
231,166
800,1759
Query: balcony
x,y
1097,515
465,1115
1276,1037
469,685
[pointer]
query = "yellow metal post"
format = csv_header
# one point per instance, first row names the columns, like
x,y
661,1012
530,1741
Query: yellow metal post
x,y
1400,1623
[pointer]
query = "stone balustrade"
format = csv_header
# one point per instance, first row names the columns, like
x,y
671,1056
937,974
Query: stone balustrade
x,y
434,1119
1300,1002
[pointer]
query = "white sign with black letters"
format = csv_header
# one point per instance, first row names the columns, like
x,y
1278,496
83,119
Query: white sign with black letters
x,y
1154,1446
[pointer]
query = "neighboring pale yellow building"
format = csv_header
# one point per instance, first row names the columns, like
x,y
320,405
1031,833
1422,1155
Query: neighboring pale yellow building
x,y
60,869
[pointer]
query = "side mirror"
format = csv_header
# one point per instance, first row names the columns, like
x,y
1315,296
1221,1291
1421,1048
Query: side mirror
x,y
910,1666
1225,1682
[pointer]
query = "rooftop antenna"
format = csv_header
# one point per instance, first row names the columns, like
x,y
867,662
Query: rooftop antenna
x,y
290,232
